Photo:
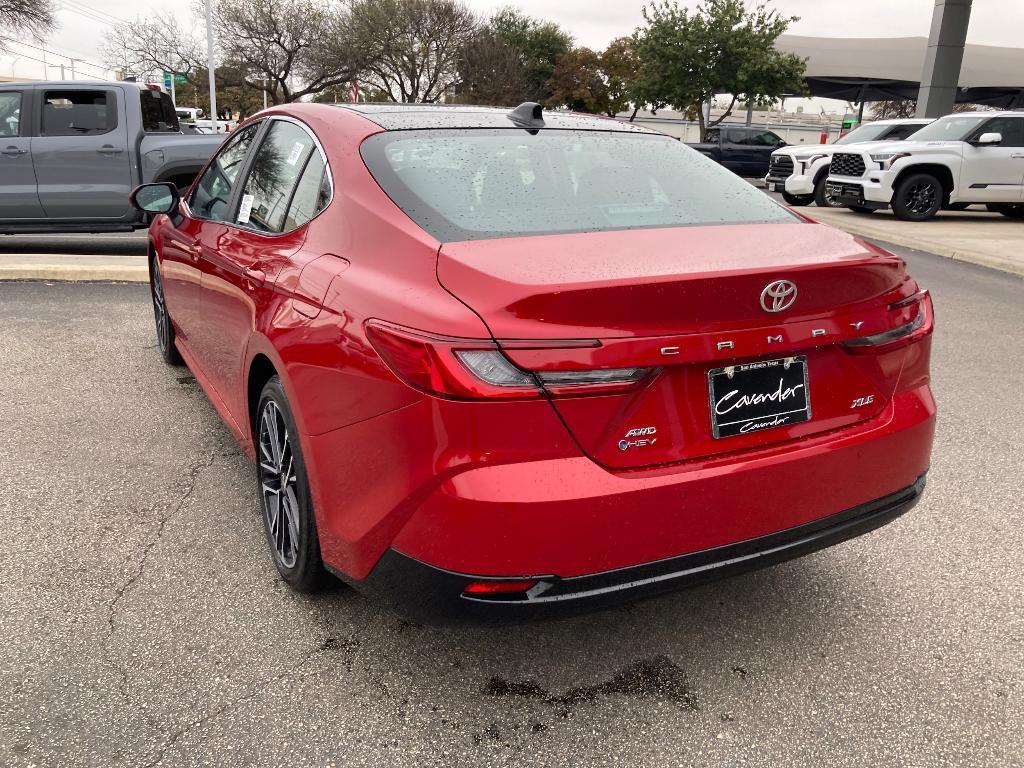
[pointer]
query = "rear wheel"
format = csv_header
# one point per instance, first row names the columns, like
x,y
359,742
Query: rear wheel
x,y
822,198
285,501
1007,209
797,200
164,326
918,197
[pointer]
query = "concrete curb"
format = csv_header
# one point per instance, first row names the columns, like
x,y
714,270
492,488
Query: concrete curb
x,y
861,225
73,268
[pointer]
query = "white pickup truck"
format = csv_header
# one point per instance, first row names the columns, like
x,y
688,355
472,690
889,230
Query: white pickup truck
x,y
800,172
959,160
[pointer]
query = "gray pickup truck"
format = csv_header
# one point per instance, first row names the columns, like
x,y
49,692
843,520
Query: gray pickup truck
x,y
71,152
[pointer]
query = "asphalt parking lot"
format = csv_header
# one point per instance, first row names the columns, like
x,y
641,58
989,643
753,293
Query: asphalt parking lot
x,y
143,623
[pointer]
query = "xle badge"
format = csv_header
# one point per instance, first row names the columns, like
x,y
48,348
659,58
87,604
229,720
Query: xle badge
x,y
638,438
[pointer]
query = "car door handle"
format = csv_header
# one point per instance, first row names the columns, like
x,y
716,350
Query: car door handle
x,y
1018,155
14,151
110,149
255,277
193,251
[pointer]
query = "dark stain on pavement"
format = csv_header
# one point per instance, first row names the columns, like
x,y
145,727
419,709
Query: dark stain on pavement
x,y
657,678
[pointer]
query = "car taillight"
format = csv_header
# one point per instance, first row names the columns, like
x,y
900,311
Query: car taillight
x,y
471,369
913,319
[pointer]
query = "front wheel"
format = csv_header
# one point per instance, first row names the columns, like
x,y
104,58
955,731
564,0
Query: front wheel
x,y
822,198
918,197
797,200
285,501
164,326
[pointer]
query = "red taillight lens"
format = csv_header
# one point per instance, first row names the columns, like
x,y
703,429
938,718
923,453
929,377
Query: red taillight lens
x,y
467,369
472,369
912,319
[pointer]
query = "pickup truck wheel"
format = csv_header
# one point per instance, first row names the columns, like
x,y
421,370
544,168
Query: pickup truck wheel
x,y
822,198
797,200
164,327
918,197
1007,209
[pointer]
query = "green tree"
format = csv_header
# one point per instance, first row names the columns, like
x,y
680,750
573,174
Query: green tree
x,y
721,46
537,44
621,70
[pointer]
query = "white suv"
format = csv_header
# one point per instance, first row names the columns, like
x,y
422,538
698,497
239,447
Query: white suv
x,y
799,172
960,159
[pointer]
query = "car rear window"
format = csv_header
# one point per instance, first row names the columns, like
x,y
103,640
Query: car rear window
x,y
485,183
158,115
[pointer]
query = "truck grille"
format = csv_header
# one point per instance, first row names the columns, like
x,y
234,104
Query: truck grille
x,y
846,164
781,166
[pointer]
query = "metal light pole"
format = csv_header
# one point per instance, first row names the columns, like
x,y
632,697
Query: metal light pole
x,y
210,65
73,66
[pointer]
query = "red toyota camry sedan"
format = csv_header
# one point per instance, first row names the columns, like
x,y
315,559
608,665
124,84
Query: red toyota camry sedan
x,y
495,363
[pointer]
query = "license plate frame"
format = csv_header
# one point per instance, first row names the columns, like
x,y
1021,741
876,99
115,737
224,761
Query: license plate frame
x,y
754,402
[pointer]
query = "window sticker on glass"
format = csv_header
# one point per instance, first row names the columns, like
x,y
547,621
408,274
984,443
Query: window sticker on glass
x,y
296,153
245,209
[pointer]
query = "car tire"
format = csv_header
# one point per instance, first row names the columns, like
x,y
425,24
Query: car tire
x,y
164,326
286,505
797,200
918,197
821,196
861,209
1007,209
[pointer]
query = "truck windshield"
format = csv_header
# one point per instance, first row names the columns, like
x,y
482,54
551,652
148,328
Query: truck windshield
x,y
485,183
868,132
950,128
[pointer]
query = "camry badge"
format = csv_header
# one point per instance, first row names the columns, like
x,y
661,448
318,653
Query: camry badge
x,y
778,295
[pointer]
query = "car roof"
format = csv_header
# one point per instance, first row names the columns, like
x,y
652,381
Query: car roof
x,y
72,83
405,117
901,121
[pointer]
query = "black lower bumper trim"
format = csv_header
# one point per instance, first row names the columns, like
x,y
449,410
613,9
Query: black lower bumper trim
x,y
435,595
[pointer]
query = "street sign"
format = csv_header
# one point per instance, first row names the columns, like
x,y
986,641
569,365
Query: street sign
x,y
179,79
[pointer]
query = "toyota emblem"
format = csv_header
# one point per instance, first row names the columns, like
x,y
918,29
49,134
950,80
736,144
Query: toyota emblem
x,y
778,295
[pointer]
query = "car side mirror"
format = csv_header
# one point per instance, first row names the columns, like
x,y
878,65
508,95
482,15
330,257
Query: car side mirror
x,y
155,198
989,138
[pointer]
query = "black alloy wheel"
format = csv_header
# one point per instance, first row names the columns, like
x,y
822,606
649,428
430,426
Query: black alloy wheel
x,y
918,197
288,518
164,327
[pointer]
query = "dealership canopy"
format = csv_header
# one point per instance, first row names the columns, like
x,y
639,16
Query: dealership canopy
x,y
883,68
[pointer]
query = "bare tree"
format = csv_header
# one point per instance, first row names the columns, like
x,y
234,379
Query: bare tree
x,y
420,45
490,72
157,43
290,48
18,16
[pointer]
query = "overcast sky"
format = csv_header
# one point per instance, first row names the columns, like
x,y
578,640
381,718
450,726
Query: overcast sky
x,y
592,22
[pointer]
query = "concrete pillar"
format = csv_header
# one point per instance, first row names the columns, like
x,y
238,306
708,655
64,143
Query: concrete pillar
x,y
942,61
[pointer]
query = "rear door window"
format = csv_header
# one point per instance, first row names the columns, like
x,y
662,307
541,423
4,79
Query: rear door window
x,y
213,190
158,115
78,113
312,193
273,175
10,114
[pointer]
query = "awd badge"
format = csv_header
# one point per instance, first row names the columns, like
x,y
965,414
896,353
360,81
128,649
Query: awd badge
x,y
638,438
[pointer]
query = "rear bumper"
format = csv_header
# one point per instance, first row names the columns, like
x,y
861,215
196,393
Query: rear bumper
x,y
434,594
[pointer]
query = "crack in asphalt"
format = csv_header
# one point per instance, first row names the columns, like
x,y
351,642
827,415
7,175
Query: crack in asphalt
x,y
348,647
191,482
